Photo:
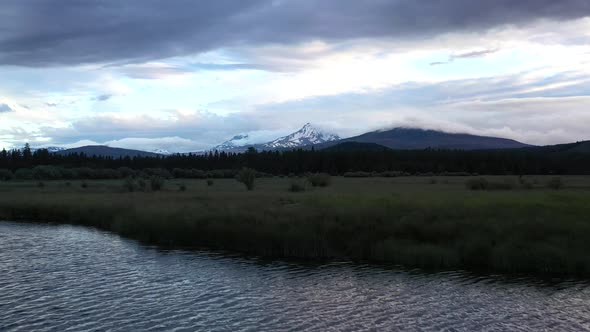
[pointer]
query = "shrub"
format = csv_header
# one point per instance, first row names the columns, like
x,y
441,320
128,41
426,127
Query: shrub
x,y
209,182
159,172
46,173
484,184
477,184
129,184
524,183
142,184
24,174
156,183
555,183
393,174
296,186
125,172
319,179
357,174
6,175
84,185
247,177
182,187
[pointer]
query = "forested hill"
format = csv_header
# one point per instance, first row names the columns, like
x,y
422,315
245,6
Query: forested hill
x,y
562,159
414,138
103,150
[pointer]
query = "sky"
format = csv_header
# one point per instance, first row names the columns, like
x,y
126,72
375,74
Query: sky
x,y
183,75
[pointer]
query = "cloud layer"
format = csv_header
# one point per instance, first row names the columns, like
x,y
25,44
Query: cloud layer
x,y
67,32
185,75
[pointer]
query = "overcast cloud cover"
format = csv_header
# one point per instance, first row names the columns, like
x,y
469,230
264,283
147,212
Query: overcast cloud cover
x,y
185,75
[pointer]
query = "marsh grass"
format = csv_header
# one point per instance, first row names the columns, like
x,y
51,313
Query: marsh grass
x,y
394,220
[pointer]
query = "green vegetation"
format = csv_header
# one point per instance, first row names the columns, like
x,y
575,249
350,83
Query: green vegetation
x,y
247,176
319,179
555,183
402,220
296,186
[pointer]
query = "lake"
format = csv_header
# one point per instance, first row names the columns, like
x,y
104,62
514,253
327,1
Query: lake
x,y
68,278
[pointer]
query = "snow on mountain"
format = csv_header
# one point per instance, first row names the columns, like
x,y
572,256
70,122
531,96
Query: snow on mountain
x,y
51,149
235,142
308,135
162,152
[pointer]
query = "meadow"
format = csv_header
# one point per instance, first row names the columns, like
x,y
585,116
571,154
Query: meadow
x,y
424,222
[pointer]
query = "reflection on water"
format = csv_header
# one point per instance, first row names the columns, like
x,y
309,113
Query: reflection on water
x,y
65,278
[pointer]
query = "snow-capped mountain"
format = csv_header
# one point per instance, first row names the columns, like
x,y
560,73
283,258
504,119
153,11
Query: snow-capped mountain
x,y
237,141
308,135
51,149
162,152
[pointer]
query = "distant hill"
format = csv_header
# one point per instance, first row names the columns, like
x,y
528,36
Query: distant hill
x,y
356,146
413,139
107,151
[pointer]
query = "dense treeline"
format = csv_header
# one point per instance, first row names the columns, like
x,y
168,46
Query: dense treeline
x,y
27,164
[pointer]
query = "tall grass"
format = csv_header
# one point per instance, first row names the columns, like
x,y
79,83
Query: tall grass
x,y
443,226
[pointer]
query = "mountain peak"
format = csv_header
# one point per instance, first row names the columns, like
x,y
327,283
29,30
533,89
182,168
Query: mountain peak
x,y
307,135
235,142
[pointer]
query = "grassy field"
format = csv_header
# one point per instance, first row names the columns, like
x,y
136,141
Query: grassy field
x,y
427,222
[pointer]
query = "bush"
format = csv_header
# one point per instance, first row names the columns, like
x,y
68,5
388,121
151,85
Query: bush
x,y
156,183
484,184
182,187
24,174
158,172
357,174
6,175
125,172
477,184
393,174
142,184
524,183
209,182
319,179
84,185
129,184
46,173
555,183
296,186
247,177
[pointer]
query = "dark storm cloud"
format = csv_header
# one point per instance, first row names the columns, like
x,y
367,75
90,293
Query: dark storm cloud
x,y
5,108
65,32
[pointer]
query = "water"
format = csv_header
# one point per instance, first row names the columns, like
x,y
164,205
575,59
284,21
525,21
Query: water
x,y
65,278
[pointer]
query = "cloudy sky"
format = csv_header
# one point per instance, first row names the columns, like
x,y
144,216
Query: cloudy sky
x,y
185,75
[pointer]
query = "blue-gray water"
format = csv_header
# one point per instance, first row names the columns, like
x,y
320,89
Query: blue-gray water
x,y
65,278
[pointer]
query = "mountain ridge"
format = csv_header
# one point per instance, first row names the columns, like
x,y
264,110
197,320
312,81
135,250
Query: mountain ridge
x,y
404,138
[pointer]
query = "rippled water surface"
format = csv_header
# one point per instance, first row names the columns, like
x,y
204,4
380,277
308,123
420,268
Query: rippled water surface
x,y
65,278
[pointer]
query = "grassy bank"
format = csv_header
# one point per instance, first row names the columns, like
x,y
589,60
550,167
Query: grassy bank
x,y
415,221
